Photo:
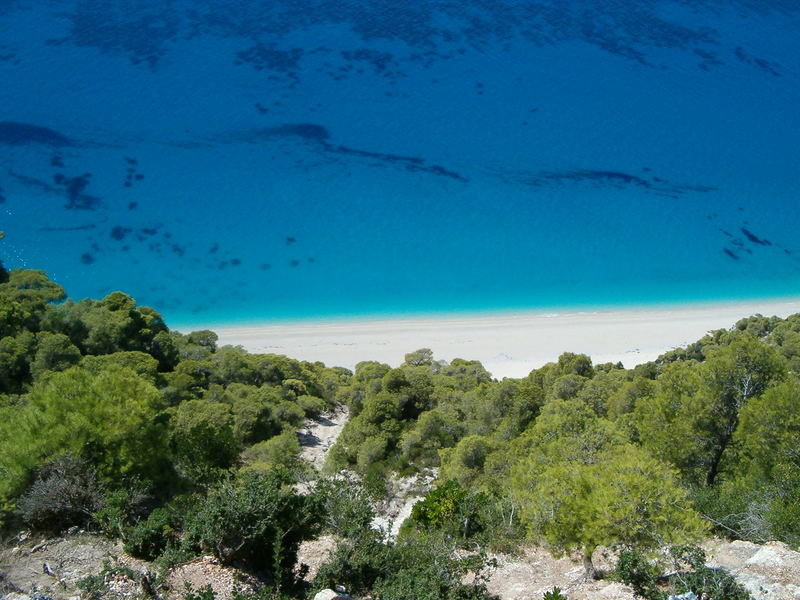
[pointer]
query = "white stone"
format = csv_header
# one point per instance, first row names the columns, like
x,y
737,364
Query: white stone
x,y
330,595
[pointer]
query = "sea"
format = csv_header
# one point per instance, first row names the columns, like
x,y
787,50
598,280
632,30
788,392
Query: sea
x,y
258,161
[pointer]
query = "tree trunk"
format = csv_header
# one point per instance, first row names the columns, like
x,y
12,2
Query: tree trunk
x,y
588,565
713,470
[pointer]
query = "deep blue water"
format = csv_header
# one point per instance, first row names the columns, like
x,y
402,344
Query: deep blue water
x,y
230,161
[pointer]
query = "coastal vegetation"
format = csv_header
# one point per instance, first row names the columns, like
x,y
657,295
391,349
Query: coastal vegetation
x,y
110,421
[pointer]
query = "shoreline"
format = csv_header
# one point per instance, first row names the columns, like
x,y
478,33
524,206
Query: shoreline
x,y
508,344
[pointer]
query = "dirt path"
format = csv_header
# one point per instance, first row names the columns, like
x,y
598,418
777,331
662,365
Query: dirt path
x,y
318,435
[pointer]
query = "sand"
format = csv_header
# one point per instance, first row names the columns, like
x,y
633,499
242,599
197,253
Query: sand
x,y
508,345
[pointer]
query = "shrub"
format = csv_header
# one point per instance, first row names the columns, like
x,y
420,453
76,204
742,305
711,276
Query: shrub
x,y
355,563
635,570
258,520
703,581
345,505
203,439
171,556
466,516
149,538
65,493
420,567
311,405
279,451
371,451
689,574
122,507
95,587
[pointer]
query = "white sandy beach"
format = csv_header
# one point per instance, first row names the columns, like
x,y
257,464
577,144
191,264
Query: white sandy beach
x,y
508,345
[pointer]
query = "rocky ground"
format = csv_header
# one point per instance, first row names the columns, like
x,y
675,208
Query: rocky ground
x,y
768,571
536,571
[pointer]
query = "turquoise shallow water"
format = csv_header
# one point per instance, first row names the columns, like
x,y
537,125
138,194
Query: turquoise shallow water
x,y
237,162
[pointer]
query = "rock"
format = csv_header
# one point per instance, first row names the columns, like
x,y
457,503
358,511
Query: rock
x,y
313,553
686,596
330,595
768,571
731,555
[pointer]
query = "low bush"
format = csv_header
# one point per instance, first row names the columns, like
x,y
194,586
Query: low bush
x,y
258,521
65,493
149,538
424,567
689,574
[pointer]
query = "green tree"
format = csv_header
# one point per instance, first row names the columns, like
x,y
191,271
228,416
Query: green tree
x,y
15,356
735,374
625,499
433,431
279,451
27,294
692,418
54,352
140,363
203,439
109,419
419,358
465,462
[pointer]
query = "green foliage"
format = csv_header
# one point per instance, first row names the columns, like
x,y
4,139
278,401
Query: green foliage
x,y
204,593
452,510
371,435
311,405
344,505
171,556
626,498
140,363
203,439
54,352
15,356
280,451
441,506
694,416
423,567
467,517
768,430
433,431
783,504
24,300
149,538
689,574
356,563
122,507
692,575
95,587
635,570
258,520
257,412
92,587
419,358
554,594
109,419
577,454
465,463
